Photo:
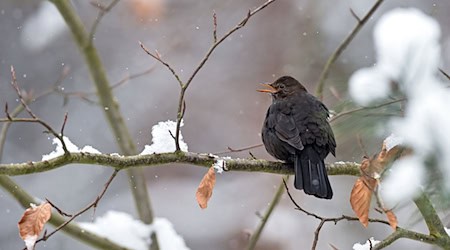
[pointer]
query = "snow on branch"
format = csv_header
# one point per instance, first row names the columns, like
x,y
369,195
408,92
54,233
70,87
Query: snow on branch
x,y
163,140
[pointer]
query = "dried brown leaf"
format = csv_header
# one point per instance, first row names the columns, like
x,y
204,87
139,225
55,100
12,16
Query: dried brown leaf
x,y
205,189
361,197
392,219
32,223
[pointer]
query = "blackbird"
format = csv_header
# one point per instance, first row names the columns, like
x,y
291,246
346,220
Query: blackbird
x,y
296,131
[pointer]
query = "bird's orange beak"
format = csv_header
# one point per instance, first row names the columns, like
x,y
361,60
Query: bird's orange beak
x,y
268,89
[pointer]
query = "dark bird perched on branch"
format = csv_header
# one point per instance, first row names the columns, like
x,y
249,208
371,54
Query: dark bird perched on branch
x,y
296,130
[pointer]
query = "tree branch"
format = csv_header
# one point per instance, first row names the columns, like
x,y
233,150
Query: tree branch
x,y
204,160
342,47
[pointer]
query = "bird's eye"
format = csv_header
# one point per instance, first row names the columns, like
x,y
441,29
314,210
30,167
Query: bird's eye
x,y
281,86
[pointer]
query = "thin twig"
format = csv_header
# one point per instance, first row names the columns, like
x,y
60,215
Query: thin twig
x,y
344,113
323,220
102,11
214,27
232,150
342,47
58,209
34,117
133,76
92,204
444,73
158,58
355,16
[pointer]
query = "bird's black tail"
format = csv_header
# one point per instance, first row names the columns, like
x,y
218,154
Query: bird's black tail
x,y
311,174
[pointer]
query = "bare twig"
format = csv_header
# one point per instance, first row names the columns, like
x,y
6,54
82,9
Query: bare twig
x,y
102,11
344,113
63,125
324,220
215,27
92,204
34,118
133,76
444,73
342,47
232,150
355,16
158,58
58,209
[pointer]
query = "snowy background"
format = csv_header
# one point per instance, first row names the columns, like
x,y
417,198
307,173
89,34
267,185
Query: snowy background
x,y
223,109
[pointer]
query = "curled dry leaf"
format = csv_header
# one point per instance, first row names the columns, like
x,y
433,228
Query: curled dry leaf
x,y
361,197
392,219
32,223
205,189
371,170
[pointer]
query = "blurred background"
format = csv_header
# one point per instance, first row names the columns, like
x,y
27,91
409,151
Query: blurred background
x,y
290,37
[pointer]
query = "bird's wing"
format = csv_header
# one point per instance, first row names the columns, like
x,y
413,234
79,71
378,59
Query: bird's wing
x,y
287,131
314,127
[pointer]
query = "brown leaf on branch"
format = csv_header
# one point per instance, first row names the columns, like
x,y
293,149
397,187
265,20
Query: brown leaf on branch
x,y
371,170
392,219
205,189
32,223
361,197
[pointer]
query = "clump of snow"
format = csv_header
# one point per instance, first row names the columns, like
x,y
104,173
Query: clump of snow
x,y
392,141
367,246
407,46
368,85
30,241
162,140
408,55
219,165
70,147
122,229
90,149
43,27
404,180
447,230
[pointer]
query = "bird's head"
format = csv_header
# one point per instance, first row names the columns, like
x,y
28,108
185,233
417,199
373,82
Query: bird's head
x,y
283,87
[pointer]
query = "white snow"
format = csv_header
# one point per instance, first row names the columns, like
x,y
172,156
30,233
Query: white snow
x,y
30,241
219,165
392,141
90,149
42,28
408,55
122,229
367,246
70,146
407,46
404,181
162,140
368,85
447,230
